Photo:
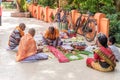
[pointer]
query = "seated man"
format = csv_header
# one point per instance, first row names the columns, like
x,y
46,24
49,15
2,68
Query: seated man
x,y
15,37
27,49
51,37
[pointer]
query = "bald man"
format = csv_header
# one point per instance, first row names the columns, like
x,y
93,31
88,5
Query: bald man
x,y
15,37
27,50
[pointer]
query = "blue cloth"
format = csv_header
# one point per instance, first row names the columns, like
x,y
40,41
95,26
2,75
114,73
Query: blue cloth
x,y
36,57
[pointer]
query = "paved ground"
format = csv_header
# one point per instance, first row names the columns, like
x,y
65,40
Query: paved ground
x,y
42,70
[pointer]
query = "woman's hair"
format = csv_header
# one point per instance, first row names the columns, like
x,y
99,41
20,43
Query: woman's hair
x,y
112,39
102,39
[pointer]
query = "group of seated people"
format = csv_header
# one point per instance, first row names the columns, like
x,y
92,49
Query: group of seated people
x,y
104,56
25,45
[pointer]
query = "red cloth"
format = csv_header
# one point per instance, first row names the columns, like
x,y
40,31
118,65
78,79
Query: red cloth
x,y
107,52
89,61
58,54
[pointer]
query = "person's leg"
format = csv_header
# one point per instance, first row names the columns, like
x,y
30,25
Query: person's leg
x,y
59,43
66,26
39,56
44,41
61,25
9,49
15,49
89,62
58,24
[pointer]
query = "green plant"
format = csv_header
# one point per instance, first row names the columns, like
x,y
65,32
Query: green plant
x,y
47,3
7,5
53,17
23,5
114,26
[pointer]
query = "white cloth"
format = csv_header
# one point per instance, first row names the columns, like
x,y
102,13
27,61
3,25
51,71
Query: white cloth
x,y
90,48
115,51
67,47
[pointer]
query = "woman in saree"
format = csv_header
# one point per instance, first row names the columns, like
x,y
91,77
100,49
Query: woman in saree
x,y
104,59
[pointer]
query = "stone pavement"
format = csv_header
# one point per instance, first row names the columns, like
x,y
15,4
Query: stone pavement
x,y
42,70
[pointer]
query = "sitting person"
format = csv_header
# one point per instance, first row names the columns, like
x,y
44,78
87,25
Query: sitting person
x,y
15,37
104,60
115,50
51,37
27,49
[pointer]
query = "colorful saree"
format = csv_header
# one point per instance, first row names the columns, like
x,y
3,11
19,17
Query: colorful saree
x,y
104,60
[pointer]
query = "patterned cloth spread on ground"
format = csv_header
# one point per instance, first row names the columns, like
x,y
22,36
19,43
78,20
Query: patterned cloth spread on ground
x,y
73,57
58,54
76,55
85,52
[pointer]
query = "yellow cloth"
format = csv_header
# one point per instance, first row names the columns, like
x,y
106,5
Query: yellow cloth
x,y
52,36
26,48
97,66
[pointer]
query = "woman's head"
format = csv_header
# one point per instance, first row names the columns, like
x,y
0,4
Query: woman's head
x,y
102,40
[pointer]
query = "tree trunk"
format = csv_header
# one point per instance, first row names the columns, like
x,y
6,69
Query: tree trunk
x,y
18,7
117,5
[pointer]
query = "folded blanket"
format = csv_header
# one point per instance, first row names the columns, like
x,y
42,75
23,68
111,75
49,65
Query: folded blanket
x,y
58,54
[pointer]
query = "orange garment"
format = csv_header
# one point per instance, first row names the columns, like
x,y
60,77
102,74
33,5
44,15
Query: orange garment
x,y
26,48
52,36
20,30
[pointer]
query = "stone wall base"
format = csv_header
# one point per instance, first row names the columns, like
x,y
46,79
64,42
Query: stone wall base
x,y
21,14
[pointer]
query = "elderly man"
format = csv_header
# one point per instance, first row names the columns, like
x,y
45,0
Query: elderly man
x,y
27,49
51,37
15,37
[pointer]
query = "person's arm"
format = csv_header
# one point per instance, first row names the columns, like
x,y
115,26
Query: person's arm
x,y
57,37
39,50
17,37
96,57
46,37
47,41
56,42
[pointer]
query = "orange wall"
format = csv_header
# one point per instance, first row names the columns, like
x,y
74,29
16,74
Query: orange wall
x,y
36,11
